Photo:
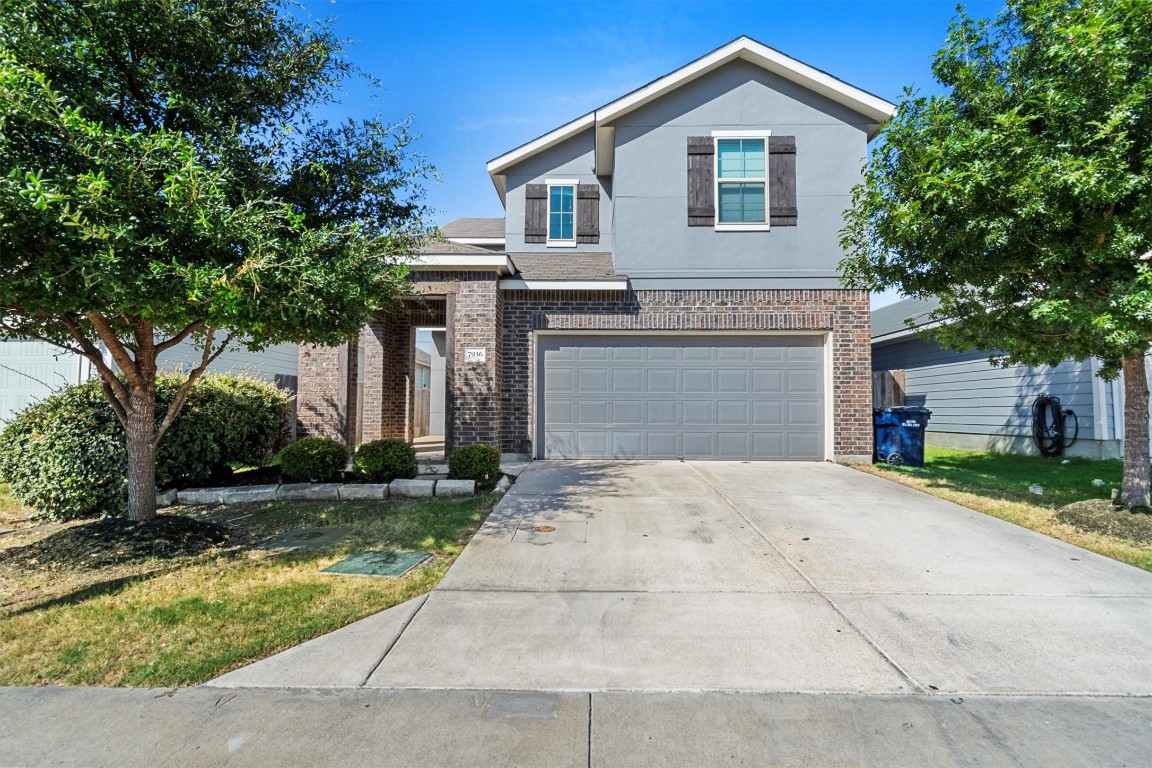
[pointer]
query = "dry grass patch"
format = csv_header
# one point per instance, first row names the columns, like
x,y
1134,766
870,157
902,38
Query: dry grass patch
x,y
187,620
998,485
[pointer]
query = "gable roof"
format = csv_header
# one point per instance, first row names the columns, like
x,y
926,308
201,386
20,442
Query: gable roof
x,y
892,321
470,228
876,109
449,247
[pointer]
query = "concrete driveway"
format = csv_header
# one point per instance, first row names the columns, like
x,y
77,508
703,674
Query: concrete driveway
x,y
757,577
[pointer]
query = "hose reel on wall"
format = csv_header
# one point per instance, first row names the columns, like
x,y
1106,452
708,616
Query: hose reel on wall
x,y
1050,426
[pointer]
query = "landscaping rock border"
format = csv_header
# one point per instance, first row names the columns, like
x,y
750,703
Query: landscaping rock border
x,y
318,492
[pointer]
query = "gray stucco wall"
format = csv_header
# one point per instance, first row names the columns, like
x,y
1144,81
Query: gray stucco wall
x,y
653,239
972,400
571,159
643,207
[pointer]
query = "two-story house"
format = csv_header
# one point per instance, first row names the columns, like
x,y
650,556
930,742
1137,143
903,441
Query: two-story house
x,y
664,283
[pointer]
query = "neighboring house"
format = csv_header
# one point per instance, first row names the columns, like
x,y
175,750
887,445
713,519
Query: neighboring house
x,y
664,283
32,370
976,405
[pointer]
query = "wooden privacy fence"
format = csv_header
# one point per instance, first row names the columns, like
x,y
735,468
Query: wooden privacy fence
x,y
887,389
420,409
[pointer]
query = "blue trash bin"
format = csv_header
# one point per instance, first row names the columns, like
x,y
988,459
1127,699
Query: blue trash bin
x,y
900,435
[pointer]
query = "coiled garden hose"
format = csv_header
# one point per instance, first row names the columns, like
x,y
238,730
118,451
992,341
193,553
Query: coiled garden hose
x,y
1050,426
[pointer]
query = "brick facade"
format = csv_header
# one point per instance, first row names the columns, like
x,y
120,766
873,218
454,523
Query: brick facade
x,y
843,312
493,401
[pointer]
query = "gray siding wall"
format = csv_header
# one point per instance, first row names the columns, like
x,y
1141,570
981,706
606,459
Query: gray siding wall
x,y
280,359
968,395
572,159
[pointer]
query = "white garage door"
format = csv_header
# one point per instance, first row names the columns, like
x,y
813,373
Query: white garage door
x,y
696,397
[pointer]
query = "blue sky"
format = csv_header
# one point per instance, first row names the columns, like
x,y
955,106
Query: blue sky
x,y
481,78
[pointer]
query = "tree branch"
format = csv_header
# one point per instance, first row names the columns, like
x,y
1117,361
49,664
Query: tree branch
x,y
114,391
119,354
179,337
206,358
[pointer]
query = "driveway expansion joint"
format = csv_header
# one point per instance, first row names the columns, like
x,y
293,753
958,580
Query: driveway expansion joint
x,y
825,596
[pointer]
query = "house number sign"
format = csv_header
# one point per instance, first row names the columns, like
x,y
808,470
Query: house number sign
x,y
475,355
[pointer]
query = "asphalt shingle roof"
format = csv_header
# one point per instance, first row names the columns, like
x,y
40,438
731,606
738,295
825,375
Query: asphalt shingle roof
x,y
466,228
892,318
564,266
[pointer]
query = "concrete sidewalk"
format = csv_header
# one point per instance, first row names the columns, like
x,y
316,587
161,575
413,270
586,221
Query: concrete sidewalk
x,y
385,728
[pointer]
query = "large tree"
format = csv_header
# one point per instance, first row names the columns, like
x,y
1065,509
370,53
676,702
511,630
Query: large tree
x,y
163,177
1022,196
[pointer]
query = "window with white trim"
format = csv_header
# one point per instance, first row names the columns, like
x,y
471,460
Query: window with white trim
x,y
741,181
561,213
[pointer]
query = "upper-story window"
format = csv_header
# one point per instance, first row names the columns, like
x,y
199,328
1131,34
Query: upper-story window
x,y
561,212
741,180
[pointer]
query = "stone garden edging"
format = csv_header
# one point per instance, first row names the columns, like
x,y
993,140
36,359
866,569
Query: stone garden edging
x,y
318,492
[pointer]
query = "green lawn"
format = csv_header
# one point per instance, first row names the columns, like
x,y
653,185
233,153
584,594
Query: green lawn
x,y
998,484
229,607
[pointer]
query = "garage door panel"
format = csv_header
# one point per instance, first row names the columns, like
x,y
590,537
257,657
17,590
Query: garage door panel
x,y
662,380
697,381
733,445
592,379
662,397
627,380
592,413
699,444
662,412
628,445
729,380
627,411
803,382
698,412
663,445
804,414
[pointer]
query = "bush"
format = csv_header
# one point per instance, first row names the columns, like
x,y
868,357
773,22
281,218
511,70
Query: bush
x,y
474,462
317,459
65,455
383,461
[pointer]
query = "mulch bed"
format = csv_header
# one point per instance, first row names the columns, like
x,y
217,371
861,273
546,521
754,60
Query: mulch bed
x,y
1101,516
115,541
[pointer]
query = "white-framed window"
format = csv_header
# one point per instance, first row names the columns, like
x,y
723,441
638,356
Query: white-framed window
x,y
741,180
561,212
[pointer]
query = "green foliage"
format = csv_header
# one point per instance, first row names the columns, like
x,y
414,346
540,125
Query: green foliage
x,y
1022,198
65,456
317,459
165,177
383,461
474,462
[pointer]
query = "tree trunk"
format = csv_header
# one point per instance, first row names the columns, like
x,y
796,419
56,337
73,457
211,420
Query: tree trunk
x,y
1137,469
139,430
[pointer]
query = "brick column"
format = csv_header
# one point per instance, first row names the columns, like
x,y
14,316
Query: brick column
x,y
386,386
325,396
473,322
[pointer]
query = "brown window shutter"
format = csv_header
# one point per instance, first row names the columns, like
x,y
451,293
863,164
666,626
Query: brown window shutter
x,y
782,181
535,213
588,212
701,186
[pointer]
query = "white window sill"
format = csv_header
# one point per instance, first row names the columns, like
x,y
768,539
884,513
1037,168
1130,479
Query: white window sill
x,y
560,244
742,227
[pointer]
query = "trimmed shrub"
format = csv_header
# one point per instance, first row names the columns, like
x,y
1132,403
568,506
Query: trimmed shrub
x,y
475,462
317,459
65,455
383,461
